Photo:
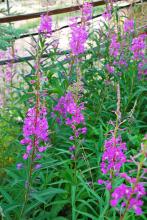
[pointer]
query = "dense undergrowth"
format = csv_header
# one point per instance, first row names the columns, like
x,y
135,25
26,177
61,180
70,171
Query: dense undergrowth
x,y
73,129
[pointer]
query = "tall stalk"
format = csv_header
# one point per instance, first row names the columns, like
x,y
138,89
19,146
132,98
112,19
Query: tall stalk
x,y
37,107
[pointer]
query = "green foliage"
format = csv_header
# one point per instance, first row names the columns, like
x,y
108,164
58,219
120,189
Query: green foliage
x,y
57,193
8,35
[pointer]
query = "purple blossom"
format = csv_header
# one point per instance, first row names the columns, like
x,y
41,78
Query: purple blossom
x,y
71,138
42,149
132,194
25,156
83,130
28,148
108,186
136,205
138,47
114,46
113,157
87,11
100,181
129,26
45,25
78,38
69,110
35,125
122,62
35,131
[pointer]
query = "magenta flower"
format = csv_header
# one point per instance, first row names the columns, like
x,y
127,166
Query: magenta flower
x,y
114,46
87,11
128,26
113,157
100,181
36,125
69,110
35,131
138,47
25,156
131,195
42,149
78,38
45,25
72,114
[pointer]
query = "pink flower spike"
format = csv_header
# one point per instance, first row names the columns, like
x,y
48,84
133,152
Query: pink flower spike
x,y
128,26
45,25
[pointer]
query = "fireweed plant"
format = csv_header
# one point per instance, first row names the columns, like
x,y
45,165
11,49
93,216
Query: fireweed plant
x,y
60,116
129,194
71,112
35,128
68,106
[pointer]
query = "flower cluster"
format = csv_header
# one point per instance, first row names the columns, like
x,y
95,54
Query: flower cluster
x,y
138,47
129,26
45,25
130,196
114,46
87,11
35,132
72,114
113,157
79,35
69,110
